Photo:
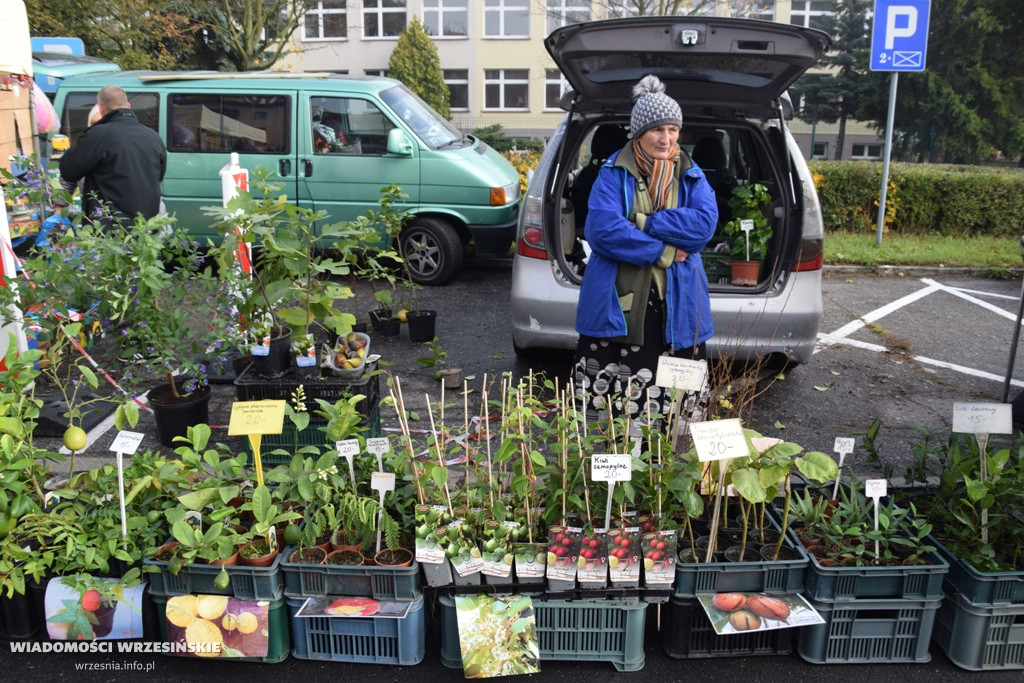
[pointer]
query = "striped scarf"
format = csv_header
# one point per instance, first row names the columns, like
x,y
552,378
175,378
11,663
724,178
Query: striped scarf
x,y
660,173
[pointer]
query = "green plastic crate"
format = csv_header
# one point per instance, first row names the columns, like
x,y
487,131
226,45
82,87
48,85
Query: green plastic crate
x,y
716,267
290,440
911,582
869,631
246,583
981,637
364,640
317,580
597,631
687,633
278,632
981,588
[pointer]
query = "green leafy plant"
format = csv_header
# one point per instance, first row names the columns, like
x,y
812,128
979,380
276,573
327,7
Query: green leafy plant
x,y
747,203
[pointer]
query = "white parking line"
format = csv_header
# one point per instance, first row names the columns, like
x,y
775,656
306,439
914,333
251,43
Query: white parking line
x,y
841,336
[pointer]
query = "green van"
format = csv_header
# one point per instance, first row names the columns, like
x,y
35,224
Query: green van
x,y
334,141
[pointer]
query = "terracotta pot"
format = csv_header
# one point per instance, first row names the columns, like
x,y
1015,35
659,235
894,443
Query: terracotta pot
x,y
399,557
230,562
335,545
261,561
312,555
352,558
744,273
165,552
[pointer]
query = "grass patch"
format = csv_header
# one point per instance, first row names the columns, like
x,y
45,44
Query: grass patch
x,y
997,253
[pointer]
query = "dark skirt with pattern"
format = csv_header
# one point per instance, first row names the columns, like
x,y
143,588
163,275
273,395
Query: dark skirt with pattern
x,y
617,379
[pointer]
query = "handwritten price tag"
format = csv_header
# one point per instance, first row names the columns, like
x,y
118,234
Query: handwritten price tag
x,y
844,445
983,418
347,448
127,442
719,440
610,467
256,417
382,481
875,488
681,373
378,445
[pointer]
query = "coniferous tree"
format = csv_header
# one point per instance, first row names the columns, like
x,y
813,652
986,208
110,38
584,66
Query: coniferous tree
x,y
415,62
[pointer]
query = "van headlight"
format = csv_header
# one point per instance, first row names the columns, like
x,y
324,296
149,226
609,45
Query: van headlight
x,y
500,196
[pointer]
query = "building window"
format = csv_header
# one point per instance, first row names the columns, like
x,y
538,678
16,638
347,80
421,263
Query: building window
x,y
762,9
564,12
812,13
507,19
555,86
820,150
383,18
382,73
458,88
866,152
325,19
507,89
446,18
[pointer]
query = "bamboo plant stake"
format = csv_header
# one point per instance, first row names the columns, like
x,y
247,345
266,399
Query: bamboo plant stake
x,y
403,423
440,457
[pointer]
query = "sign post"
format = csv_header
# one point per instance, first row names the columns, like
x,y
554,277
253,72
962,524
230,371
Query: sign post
x,y
899,42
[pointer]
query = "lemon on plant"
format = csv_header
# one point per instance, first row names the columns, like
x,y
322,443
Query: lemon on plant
x,y
292,534
75,438
402,315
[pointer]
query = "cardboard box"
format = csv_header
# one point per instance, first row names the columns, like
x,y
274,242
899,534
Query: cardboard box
x,y
16,134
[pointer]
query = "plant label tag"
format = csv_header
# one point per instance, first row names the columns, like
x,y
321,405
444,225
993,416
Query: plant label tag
x,y
272,539
844,446
378,445
610,467
126,442
347,448
747,224
875,488
194,518
50,498
983,418
682,374
719,440
256,417
382,481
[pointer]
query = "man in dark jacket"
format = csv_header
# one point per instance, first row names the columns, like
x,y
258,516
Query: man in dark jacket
x,y
122,161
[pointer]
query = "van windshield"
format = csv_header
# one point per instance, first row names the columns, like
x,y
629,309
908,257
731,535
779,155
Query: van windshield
x,y
429,126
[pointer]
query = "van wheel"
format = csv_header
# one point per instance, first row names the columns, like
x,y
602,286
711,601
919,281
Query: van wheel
x,y
432,250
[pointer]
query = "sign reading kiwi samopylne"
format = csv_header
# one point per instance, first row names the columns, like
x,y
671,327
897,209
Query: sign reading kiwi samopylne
x,y
899,42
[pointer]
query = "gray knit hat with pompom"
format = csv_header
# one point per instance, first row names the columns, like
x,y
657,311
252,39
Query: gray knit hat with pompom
x,y
652,107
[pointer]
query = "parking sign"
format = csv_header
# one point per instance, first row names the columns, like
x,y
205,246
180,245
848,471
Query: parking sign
x,y
899,35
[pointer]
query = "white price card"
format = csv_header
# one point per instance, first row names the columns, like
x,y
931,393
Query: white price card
x,y
347,448
983,418
378,445
127,442
875,488
844,445
719,440
610,467
681,373
382,481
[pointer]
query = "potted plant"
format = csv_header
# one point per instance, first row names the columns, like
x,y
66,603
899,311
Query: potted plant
x,y
437,359
748,231
422,322
263,547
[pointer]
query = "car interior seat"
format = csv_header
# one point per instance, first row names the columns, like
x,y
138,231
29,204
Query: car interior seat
x,y
709,154
607,140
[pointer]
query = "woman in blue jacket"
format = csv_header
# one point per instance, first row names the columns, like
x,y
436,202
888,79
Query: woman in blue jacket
x,y
644,292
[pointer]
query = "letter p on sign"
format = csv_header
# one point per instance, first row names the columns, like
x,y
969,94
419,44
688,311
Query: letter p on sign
x,y
900,22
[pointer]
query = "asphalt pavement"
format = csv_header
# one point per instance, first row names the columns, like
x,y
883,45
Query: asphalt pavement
x,y
900,345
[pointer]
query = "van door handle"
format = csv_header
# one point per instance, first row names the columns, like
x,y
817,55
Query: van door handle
x,y
286,167
307,168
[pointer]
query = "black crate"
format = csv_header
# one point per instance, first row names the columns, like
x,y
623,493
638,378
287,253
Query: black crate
x,y
330,388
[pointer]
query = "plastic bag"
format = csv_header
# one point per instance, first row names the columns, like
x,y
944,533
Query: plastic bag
x,y
46,116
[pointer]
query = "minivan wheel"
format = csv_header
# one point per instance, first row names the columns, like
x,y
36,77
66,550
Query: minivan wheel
x,y
432,249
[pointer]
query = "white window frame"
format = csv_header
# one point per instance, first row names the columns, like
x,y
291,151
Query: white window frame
x,y
865,152
321,11
806,15
382,12
443,8
458,81
503,8
379,73
549,81
503,81
564,12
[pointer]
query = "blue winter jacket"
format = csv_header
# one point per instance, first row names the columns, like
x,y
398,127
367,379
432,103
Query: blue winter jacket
x,y
613,238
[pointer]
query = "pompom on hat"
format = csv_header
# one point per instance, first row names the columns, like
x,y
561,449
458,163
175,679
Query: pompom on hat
x,y
652,107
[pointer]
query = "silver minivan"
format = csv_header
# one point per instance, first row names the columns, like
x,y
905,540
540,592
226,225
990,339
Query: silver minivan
x,y
730,77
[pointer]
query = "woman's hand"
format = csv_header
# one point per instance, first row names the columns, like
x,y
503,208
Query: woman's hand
x,y
680,256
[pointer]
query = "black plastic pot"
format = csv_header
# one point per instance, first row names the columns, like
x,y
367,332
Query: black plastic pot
x,y
175,415
385,325
276,359
307,371
422,325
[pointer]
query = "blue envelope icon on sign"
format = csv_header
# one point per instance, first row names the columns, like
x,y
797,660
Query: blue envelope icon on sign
x,y
910,59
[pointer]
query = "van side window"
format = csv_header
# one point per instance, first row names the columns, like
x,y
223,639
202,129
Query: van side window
x,y
250,124
344,125
78,104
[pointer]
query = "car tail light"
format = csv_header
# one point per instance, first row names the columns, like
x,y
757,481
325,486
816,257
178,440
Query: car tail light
x,y
531,243
811,255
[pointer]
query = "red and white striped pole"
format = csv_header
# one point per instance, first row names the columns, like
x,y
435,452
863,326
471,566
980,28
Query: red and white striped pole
x,y
232,179
8,269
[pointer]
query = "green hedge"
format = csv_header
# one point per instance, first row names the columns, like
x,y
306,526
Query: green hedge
x,y
922,199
